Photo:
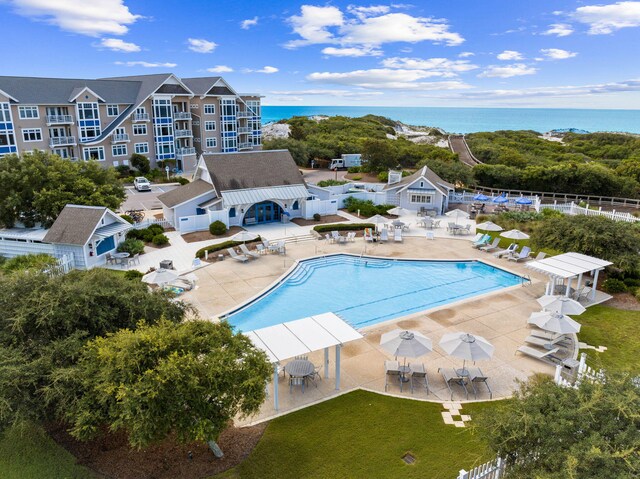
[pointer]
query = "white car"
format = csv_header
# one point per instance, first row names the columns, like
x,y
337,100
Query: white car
x,y
142,184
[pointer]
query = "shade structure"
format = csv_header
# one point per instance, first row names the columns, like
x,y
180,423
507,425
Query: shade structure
x,y
523,201
561,305
554,322
160,276
481,197
501,199
409,344
489,226
377,220
457,213
515,235
466,347
244,236
399,211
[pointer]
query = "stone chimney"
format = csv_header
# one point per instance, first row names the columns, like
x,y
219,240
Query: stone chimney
x,y
394,177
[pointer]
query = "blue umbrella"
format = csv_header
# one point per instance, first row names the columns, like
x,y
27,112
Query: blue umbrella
x,y
480,197
501,199
523,201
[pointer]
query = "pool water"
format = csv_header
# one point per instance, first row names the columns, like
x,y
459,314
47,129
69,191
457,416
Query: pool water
x,y
365,291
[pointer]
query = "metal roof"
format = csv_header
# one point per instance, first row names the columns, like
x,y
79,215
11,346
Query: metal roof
x,y
27,234
302,336
251,196
111,229
568,265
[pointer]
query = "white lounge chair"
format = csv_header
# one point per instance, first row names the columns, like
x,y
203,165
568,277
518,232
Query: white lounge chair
x,y
543,355
540,255
351,237
522,256
238,257
451,377
247,252
482,241
544,342
477,377
397,235
490,247
384,236
513,247
337,237
419,377
368,235
477,237
392,374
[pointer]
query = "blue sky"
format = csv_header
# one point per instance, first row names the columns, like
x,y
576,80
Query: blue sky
x,y
437,53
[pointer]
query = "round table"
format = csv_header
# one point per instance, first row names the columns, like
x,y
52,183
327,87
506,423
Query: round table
x,y
299,368
120,257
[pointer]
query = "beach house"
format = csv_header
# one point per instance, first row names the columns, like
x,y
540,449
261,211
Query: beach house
x,y
423,190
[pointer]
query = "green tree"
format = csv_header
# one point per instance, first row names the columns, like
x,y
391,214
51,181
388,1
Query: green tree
x,y
552,432
190,379
30,262
298,149
378,155
140,163
36,186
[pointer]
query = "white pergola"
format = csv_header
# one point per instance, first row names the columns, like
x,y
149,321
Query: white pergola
x,y
568,266
302,336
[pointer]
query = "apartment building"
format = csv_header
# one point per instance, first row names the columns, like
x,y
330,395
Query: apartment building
x,y
161,116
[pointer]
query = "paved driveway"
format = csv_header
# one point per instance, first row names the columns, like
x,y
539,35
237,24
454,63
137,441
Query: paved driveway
x,y
313,176
145,200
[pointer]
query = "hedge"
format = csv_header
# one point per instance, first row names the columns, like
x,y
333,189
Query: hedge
x,y
223,246
343,227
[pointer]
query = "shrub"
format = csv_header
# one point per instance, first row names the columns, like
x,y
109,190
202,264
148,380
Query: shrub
x,y
156,228
366,207
632,282
357,177
383,176
140,163
123,171
127,218
29,262
182,181
612,286
343,227
354,169
160,240
325,183
316,217
131,246
223,246
133,274
217,228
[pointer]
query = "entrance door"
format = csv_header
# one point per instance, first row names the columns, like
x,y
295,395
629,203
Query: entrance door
x,y
265,212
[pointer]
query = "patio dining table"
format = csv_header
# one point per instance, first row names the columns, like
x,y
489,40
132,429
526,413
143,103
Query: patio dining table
x,y
120,257
299,368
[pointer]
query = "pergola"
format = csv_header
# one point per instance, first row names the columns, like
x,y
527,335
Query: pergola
x,y
302,336
568,266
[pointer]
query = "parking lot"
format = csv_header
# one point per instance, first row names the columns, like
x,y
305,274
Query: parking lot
x,y
145,200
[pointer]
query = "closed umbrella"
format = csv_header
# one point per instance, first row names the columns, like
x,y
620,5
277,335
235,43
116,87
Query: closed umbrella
x,y
399,211
466,347
515,235
480,197
409,344
244,236
489,226
561,305
160,276
523,201
554,322
501,199
457,213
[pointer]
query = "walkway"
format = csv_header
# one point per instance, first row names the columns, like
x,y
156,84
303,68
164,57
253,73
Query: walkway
x,y
459,145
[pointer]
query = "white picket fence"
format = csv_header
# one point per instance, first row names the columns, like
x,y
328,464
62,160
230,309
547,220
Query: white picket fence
x,y
188,224
146,223
583,372
574,209
493,469
321,207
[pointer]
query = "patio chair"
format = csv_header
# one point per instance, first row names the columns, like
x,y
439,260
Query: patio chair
x,y
406,227
392,374
582,293
490,247
281,247
238,257
337,237
328,238
397,235
451,377
430,235
546,356
419,377
134,259
466,230
368,235
296,381
548,335
110,259
261,249
351,237
451,226
482,241
266,244
512,248
436,223
522,256
476,376
384,236
247,253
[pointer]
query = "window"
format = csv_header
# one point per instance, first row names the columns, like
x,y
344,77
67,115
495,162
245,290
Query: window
x,y
61,152
212,142
229,144
88,121
296,205
32,134
229,107
232,212
210,126
141,110
28,112
112,110
93,153
141,148
119,150
421,198
209,109
140,129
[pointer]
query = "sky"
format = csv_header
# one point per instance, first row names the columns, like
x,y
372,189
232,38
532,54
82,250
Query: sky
x,y
466,53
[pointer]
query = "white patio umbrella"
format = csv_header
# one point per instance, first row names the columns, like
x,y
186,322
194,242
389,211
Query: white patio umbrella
x,y
244,236
515,235
489,226
409,344
457,213
160,276
399,211
554,322
377,219
561,304
466,347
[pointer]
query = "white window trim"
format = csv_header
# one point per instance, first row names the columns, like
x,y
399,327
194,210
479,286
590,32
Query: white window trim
x,y
111,105
118,147
427,196
22,108
212,105
93,148
209,122
135,148
39,130
139,125
215,142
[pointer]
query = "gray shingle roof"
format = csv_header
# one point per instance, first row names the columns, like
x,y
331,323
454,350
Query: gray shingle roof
x,y
200,85
75,225
185,193
253,169
424,171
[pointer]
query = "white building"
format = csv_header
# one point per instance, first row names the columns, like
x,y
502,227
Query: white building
x,y
421,190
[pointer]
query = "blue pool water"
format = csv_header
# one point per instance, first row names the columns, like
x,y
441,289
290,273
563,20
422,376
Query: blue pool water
x,y
366,291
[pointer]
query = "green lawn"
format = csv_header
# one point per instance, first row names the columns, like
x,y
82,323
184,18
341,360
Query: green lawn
x,y
364,435
32,454
616,329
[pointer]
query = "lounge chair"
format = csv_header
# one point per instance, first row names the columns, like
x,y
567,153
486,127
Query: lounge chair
x,y
522,256
384,236
477,377
419,377
490,247
351,237
513,247
238,257
544,342
482,241
368,235
392,374
543,355
247,253
540,255
337,237
430,235
451,377
397,235
477,237
548,335
328,237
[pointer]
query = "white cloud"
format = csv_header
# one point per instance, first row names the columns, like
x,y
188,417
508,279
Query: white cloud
x,y
507,71
312,25
509,55
200,45
604,19
118,45
557,53
363,12
220,69
335,93
267,69
250,22
559,30
443,66
352,52
87,17
387,78
147,64
466,54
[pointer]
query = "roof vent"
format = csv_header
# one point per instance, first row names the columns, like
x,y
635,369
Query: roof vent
x,y
394,177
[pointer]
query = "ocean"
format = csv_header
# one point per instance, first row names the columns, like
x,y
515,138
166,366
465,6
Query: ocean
x,y
469,120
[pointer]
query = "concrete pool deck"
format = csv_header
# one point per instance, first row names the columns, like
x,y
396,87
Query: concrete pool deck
x,y
500,317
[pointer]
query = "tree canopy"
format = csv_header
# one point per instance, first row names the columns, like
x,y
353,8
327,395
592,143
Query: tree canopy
x,y
36,186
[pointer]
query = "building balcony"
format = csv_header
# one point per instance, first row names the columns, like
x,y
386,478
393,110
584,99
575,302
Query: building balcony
x,y
182,152
183,134
120,138
243,129
136,117
62,141
245,146
244,114
59,120
182,115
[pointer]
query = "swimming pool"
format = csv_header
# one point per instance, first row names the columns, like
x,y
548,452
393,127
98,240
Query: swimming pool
x,y
365,291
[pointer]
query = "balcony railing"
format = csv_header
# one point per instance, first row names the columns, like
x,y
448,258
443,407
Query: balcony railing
x,y
244,129
183,133
182,115
62,141
180,152
140,117
245,114
59,119
119,138
245,146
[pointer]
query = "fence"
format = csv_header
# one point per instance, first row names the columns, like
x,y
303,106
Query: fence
x,y
493,469
321,207
465,197
581,373
187,224
573,209
146,223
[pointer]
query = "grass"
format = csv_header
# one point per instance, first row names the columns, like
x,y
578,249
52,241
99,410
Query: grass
x,y
364,435
29,453
617,330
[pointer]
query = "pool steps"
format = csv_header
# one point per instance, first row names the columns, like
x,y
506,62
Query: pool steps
x,y
306,268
